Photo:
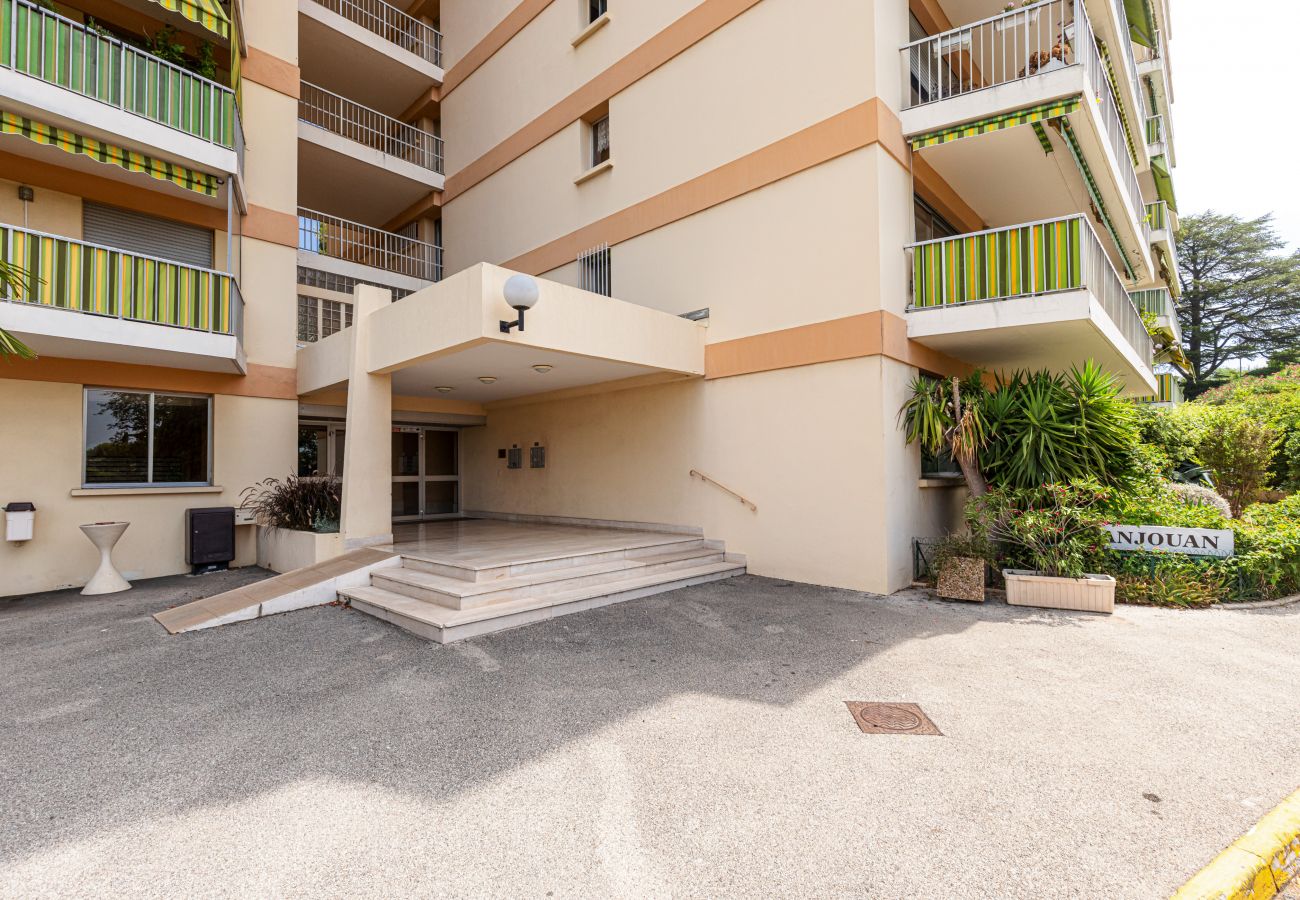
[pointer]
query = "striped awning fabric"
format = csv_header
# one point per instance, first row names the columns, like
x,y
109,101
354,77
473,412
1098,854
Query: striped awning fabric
x,y
998,123
1164,181
207,13
1076,151
1141,21
131,161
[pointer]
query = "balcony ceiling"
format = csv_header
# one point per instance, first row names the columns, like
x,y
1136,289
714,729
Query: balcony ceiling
x,y
348,184
1007,179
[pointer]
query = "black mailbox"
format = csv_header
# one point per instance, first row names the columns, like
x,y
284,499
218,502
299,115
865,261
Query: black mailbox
x,y
210,537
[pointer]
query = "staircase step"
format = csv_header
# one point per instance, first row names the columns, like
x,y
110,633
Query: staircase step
x,y
455,593
658,544
441,624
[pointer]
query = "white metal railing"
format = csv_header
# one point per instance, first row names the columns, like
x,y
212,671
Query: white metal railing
x,y
391,24
1022,43
338,238
59,51
351,120
1130,64
993,51
1159,302
1089,268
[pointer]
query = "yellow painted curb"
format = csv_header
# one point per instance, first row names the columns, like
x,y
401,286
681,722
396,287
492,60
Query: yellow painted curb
x,y
1258,864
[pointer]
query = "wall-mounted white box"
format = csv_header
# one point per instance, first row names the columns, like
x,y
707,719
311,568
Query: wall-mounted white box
x,y
20,521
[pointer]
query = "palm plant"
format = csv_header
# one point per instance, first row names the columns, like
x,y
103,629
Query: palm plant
x,y
948,416
12,280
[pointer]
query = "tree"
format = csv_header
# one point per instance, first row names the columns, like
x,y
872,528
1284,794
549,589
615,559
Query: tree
x,y
12,280
946,416
1241,295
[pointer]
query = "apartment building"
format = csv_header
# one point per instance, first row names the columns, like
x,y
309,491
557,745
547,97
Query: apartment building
x,y
747,225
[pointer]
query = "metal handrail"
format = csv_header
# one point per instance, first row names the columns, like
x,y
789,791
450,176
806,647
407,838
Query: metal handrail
x,y
695,473
59,63
346,118
1097,274
391,24
339,238
236,298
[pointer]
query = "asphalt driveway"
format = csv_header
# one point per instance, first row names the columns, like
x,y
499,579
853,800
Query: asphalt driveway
x,y
690,744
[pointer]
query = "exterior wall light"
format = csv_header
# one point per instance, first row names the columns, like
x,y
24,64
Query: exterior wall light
x,y
542,368
443,390
488,379
522,293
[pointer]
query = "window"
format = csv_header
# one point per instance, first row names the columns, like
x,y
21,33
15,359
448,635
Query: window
x,y
596,9
342,284
600,141
136,438
596,272
318,318
929,224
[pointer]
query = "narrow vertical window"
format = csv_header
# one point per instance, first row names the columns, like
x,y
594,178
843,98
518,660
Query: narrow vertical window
x,y
600,141
595,271
596,9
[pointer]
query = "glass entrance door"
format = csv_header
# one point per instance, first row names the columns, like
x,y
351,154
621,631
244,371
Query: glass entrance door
x,y
406,473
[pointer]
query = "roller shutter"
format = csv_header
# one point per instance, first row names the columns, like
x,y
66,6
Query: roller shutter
x,y
137,232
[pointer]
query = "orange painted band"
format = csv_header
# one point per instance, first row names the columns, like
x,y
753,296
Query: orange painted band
x,y
269,382
877,333
514,22
272,72
677,38
855,129
271,225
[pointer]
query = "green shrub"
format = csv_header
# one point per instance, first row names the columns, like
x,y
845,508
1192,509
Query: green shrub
x,y
1274,399
1054,529
1172,434
1239,449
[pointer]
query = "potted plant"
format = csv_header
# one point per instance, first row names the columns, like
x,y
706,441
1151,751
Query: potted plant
x,y
959,564
298,520
1055,531
1016,21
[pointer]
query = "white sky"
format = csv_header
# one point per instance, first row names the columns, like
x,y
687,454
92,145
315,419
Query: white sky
x,y
1236,66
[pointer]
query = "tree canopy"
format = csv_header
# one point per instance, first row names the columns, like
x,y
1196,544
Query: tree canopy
x,y
1241,293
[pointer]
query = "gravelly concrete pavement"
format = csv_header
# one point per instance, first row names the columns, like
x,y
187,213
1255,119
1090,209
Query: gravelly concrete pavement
x,y
690,744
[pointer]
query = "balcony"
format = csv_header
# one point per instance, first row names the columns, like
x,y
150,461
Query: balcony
x,y
1169,391
361,160
55,70
368,50
335,245
1158,302
972,88
1042,295
1163,222
86,301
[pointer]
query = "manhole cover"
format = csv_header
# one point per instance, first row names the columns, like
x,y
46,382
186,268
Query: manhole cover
x,y
891,718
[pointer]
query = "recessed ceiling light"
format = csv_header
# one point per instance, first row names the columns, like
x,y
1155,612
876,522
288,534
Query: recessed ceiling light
x,y
542,368
444,390
488,379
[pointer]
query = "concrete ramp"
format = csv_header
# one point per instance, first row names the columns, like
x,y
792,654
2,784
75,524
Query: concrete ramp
x,y
312,586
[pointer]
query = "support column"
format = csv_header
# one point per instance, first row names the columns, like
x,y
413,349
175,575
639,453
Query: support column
x,y
368,446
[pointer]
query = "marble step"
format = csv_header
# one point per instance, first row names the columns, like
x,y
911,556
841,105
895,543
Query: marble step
x,y
454,593
660,544
438,623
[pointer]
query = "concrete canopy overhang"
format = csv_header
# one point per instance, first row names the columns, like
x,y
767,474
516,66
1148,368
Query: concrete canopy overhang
x,y
448,335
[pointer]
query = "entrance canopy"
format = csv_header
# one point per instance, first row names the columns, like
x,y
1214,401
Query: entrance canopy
x,y
445,342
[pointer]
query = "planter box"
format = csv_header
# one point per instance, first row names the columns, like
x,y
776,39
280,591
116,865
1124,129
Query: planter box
x,y
961,578
282,550
1091,593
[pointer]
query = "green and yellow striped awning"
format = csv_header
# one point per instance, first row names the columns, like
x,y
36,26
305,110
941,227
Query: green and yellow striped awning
x,y
207,13
1164,181
998,123
1141,22
131,161
1072,141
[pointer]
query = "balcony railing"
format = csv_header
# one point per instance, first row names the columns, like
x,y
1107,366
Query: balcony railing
x,y
1169,389
1161,217
391,24
1159,302
337,238
1126,45
1155,130
45,45
105,281
365,126
1032,260
1025,42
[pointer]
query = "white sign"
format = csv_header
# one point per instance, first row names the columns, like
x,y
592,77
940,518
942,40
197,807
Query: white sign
x,y
1161,539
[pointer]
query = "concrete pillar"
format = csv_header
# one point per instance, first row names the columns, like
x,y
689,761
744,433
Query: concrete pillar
x,y
368,446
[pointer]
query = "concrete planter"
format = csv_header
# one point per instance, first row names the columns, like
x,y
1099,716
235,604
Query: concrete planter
x,y
282,550
1091,593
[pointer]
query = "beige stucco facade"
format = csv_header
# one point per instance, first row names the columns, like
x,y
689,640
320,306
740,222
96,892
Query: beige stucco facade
x,y
759,176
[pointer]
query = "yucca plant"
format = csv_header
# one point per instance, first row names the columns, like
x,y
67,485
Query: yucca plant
x,y
13,279
948,417
296,504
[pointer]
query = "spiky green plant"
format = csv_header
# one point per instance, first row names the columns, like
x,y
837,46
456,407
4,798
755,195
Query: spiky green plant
x,y
296,504
13,280
947,416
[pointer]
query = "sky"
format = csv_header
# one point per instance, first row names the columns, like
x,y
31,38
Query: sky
x,y
1235,69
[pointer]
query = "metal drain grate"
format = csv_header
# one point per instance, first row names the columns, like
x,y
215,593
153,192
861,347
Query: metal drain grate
x,y
891,718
